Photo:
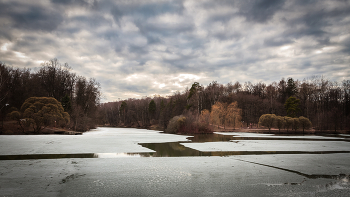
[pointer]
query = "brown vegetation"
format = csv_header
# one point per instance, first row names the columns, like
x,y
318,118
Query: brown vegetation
x,y
39,113
325,103
188,124
79,97
271,120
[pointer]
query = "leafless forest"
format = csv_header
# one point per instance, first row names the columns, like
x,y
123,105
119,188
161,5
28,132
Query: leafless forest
x,y
326,103
79,96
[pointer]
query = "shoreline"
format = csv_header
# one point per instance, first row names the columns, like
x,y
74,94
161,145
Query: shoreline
x,y
283,132
255,130
64,131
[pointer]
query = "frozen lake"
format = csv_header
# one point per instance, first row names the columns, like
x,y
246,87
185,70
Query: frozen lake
x,y
138,162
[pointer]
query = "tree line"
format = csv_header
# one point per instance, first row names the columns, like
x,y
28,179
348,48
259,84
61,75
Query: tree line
x,y
78,96
286,122
324,102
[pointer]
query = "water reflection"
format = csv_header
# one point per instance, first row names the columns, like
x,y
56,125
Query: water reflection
x,y
210,138
66,156
46,156
175,149
171,149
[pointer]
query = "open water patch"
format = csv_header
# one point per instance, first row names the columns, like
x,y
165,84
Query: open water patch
x,y
68,156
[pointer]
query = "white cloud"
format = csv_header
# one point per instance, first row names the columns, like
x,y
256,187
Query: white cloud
x,y
4,46
158,47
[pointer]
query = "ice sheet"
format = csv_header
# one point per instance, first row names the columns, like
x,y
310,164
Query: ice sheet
x,y
260,135
102,140
125,175
182,176
270,145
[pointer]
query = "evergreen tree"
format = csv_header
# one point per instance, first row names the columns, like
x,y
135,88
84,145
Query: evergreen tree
x,y
292,106
152,108
291,89
66,103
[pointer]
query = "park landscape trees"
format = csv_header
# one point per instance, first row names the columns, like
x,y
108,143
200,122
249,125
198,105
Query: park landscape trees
x,y
325,103
40,112
290,121
79,96
305,123
205,116
271,120
222,114
267,120
225,114
279,122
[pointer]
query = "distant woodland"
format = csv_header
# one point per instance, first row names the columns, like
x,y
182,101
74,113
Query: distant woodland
x,y
325,103
79,97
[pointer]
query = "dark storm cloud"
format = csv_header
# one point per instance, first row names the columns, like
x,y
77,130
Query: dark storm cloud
x,y
6,34
84,3
33,43
131,68
31,17
182,63
91,21
321,16
142,10
137,49
277,41
152,38
260,10
316,18
346,44
164,29
137,88
117,14
146,9
109,35
253,10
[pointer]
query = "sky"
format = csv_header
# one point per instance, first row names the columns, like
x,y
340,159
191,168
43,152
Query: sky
x,y
142,48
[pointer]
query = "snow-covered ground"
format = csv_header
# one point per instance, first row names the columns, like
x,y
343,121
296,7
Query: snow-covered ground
x,y
101,140
270,145
237,175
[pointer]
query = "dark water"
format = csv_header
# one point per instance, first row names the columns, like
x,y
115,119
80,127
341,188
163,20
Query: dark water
x,y
175,149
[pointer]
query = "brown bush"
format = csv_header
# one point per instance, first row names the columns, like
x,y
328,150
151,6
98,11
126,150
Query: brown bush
x,y
187,124
175,124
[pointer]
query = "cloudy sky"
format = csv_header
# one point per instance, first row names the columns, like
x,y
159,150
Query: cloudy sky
x,y
142,48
